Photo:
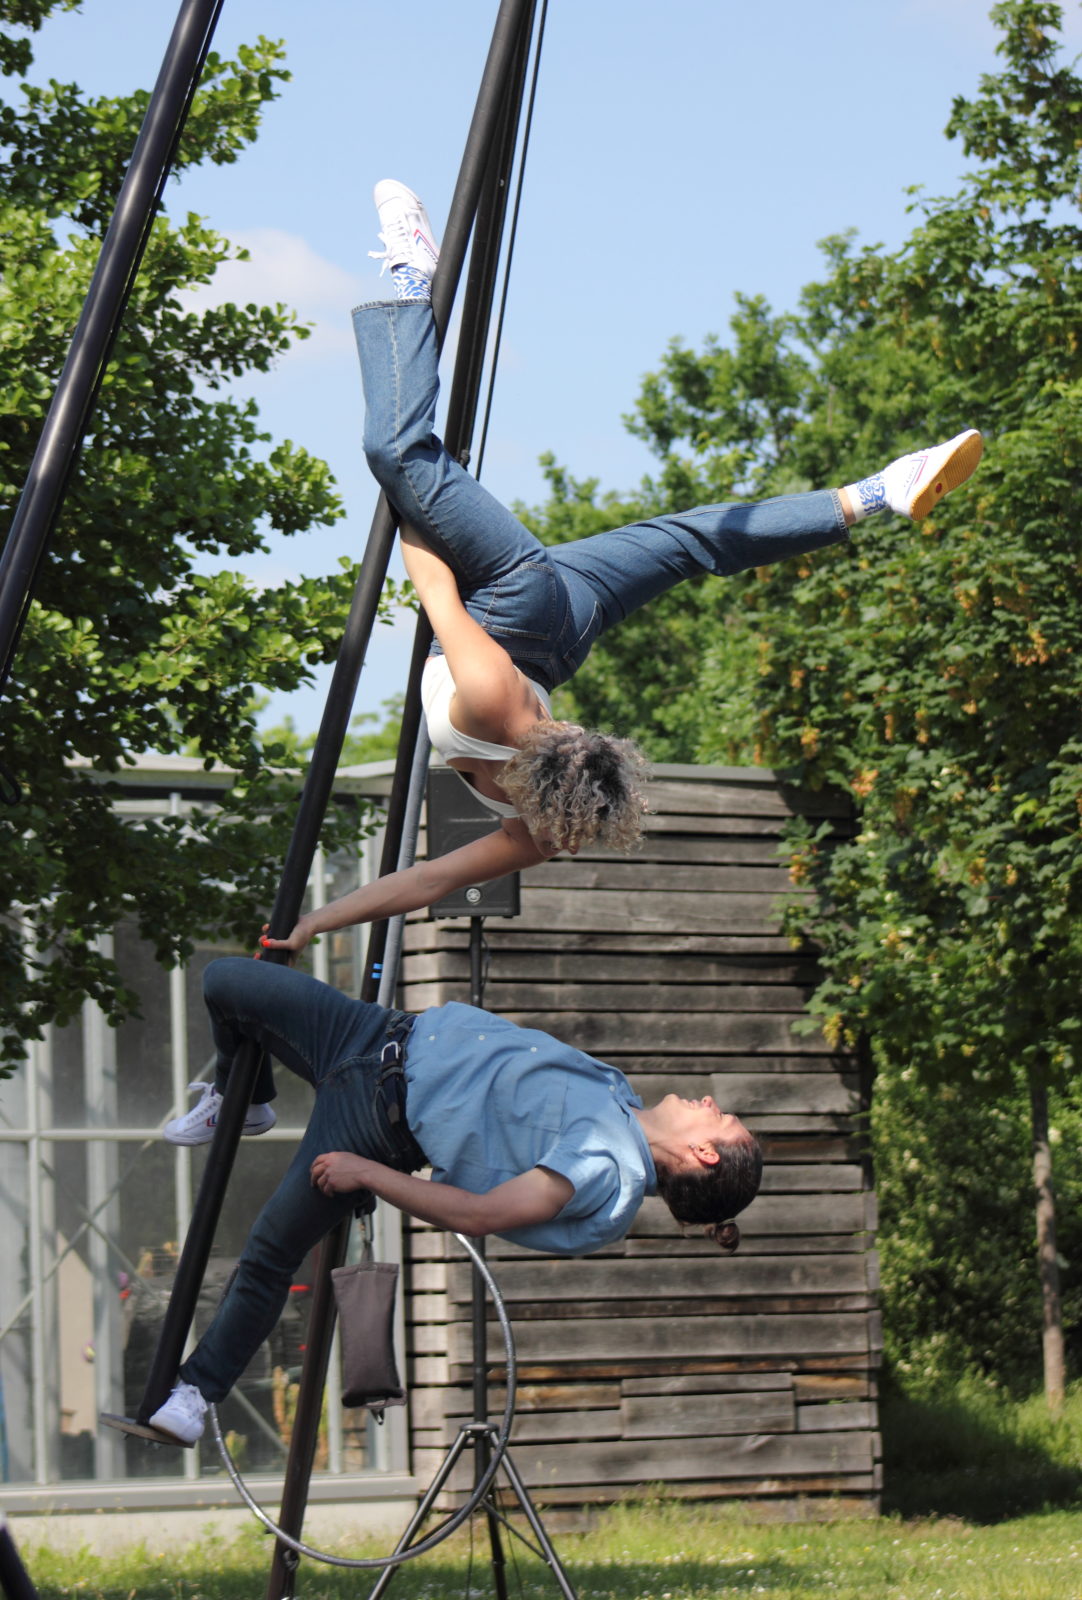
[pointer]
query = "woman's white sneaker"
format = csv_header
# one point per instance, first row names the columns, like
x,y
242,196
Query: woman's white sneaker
x,y
197,1125
183,1416
405,229
916,483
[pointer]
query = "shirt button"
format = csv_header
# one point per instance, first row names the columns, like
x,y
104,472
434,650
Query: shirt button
x,y
480,1036
431,1038
612,1088
533,1049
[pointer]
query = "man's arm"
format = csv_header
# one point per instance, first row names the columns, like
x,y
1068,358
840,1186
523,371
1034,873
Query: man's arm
x,y
535,1196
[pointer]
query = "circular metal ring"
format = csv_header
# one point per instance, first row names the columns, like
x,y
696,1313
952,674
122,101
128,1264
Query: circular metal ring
x,y
457,1518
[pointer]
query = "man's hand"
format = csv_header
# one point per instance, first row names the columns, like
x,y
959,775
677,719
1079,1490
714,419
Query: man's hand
x,y
340,1172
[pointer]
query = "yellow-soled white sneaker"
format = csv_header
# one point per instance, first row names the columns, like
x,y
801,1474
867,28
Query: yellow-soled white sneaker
x,y
916,483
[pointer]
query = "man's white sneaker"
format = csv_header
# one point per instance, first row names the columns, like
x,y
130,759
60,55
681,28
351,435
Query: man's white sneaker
x,y
917,482
197,1125
183,1416
404,229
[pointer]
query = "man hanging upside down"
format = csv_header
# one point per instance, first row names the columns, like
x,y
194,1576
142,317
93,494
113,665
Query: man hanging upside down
x,y
526,1137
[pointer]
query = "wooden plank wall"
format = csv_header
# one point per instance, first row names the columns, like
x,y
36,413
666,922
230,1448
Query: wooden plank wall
x,y
659,1361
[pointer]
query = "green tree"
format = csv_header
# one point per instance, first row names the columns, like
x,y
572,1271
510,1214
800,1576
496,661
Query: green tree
x,y
362,743
953,922
128,647
932,672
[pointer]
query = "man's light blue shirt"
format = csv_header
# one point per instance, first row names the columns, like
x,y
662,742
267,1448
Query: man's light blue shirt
x,y
488,1100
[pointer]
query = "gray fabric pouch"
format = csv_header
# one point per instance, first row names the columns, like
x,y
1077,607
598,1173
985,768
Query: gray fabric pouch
x,y
365,1296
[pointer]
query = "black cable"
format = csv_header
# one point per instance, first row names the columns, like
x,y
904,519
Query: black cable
x,y
511,238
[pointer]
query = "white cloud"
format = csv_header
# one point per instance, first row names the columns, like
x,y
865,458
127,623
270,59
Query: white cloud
x,y
284,267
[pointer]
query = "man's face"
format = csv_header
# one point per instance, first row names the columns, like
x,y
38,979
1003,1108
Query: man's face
x,y
698,1123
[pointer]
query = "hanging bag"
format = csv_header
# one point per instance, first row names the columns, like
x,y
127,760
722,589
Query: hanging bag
x,y
365,1295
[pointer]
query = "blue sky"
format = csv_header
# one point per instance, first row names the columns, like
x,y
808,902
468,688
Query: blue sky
x,y
681,151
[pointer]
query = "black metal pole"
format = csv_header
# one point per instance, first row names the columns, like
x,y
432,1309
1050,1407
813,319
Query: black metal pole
x,y
118,263
480,288
507,56
14,1578
191,1267
482,1445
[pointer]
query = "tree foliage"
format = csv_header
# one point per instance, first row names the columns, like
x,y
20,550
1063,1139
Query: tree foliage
x,y
129,647
934,672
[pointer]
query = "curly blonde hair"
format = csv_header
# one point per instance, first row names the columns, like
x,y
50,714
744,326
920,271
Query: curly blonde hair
x,y
577,787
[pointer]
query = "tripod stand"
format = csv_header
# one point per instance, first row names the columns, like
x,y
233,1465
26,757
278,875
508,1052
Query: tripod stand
x,y
487,1440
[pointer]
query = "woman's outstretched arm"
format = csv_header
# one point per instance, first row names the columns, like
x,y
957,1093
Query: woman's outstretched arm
x,y
508,849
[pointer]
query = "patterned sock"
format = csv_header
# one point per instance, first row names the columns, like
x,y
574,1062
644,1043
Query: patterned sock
x,y
410,283
868,496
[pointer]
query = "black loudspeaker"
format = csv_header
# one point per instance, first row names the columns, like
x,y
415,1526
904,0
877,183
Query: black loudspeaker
x,y
456,817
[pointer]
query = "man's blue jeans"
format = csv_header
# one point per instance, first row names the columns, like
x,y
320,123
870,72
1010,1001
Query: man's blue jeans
x,y
545,604
336,1044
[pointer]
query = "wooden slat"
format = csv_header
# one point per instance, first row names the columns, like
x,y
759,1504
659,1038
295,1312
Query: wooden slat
x,y
696,1415
626,911
776,1213
820,1178
722,799
732,846
659,1243
665,1072
791,1122
612,967
578,1339
809,1386
642,878
843,1495
710,1383
841,1417
753,1456
757,1093
508,998
834,1092
597,1032
736,1276
531,1427
425,933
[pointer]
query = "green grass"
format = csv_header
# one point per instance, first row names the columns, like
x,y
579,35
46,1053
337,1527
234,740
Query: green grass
x,y
976,1454
984,1502
662,1551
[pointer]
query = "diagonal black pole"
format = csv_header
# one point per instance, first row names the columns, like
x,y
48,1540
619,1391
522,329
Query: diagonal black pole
x,y
92,343
481,194
319,783
14,1578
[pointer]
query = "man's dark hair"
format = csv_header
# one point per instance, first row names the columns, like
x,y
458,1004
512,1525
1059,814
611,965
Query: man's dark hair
x,y
711,1196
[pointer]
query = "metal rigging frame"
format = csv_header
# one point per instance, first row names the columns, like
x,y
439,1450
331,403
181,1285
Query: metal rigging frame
x,y
479,206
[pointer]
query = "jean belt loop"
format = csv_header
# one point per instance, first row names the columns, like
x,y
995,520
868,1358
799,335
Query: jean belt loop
x,y
392,1056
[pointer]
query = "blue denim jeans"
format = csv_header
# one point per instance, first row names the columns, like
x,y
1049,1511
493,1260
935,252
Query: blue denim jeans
x,y
545,604
336,1044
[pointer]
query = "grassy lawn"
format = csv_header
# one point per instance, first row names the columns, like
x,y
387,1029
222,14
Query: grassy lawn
x,y
983,1502
653,1552
642,1552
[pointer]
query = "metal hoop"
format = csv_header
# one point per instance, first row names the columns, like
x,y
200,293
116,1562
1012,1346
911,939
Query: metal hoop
x,y
457,1518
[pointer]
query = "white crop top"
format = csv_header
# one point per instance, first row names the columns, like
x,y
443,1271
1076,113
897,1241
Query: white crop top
x,y
437,692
